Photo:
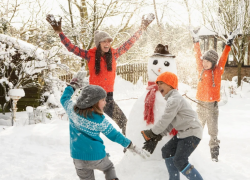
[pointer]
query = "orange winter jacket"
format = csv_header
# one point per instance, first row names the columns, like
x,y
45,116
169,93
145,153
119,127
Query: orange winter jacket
x,y
105,78
205,90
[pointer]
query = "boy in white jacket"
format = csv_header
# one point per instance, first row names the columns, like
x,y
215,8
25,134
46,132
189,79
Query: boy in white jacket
x,y
178,114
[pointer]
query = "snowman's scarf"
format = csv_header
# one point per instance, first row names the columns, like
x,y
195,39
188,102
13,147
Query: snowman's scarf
x,y
149,105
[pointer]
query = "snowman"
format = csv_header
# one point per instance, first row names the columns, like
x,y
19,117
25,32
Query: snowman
x,y
149,108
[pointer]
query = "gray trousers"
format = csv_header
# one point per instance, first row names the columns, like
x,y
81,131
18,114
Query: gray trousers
x,y
209,113
85,169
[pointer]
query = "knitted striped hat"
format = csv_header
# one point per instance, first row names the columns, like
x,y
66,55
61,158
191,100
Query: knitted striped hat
x,y
211,55
169,78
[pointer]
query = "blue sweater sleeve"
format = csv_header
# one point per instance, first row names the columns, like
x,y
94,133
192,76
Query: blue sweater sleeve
x,y
114,135
66,97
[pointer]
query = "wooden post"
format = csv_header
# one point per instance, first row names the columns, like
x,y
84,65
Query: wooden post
x,y
207,43
215,44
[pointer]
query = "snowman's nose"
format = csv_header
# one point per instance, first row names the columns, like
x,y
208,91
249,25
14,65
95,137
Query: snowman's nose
x,y
159,70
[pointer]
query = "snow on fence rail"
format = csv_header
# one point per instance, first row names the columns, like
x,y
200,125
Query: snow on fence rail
x,y
129,72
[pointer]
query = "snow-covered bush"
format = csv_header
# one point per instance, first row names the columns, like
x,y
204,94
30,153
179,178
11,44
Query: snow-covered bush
x,y
24,66
233,86
230,89
53,90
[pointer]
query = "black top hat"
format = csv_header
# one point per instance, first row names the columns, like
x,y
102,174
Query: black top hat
x,y
162,50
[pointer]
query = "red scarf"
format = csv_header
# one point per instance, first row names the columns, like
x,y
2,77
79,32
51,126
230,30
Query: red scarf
x,y
149,105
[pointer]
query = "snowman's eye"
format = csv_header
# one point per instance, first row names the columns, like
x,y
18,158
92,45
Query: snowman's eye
x,y
155,62
166,63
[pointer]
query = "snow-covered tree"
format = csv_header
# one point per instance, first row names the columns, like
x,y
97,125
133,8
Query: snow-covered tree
x,y
23,65
83,17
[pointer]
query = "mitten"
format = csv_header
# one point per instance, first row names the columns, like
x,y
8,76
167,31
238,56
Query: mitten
x,y
77,81
231,36
55,25
132,148
151,144
148,134
146,20
194,34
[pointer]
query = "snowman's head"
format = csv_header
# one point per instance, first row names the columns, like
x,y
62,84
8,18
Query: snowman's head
x,y
158,64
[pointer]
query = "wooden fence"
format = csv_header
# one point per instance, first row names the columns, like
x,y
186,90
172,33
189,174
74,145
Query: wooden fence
x,y
132,72
66,78
129,72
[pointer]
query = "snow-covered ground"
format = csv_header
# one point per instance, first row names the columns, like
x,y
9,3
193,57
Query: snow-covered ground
x,y
41,151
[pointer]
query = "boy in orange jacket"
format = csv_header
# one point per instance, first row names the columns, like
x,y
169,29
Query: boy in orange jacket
x,y
208,89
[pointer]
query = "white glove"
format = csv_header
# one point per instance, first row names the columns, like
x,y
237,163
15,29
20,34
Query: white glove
x,y
135,150
194,34
232,35
77,81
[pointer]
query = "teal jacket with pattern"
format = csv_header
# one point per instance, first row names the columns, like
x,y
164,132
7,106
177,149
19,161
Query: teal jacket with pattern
x,y
85,141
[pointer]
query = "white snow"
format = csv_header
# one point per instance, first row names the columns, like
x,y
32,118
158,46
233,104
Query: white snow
x,y
41,151
17,92
23,46
149,17
29,109
52,100
206,31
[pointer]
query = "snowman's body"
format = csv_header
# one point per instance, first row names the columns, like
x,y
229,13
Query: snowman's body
x,y
156,65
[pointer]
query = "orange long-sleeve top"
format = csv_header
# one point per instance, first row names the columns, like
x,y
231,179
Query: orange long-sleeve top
x,y
105,78
205,90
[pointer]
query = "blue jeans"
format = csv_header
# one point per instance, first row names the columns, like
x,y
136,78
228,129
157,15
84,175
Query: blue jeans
x,y
181,149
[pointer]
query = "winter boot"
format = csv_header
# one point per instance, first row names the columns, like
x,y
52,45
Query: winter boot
x,y
215,153
174,173
191,173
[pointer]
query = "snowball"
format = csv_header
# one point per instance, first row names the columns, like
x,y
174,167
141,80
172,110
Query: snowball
x,y
150,17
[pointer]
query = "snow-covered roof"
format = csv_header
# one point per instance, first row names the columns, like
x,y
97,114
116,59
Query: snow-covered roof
x,y
209,31
23,46
217,30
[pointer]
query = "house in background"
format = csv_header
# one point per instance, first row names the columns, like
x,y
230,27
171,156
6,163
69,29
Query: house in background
x,y
209,40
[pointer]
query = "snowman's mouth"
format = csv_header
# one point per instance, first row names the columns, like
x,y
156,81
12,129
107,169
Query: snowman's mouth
x,y
154,72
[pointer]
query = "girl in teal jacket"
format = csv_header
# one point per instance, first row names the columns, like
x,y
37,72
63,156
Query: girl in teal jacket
x,y
86,122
